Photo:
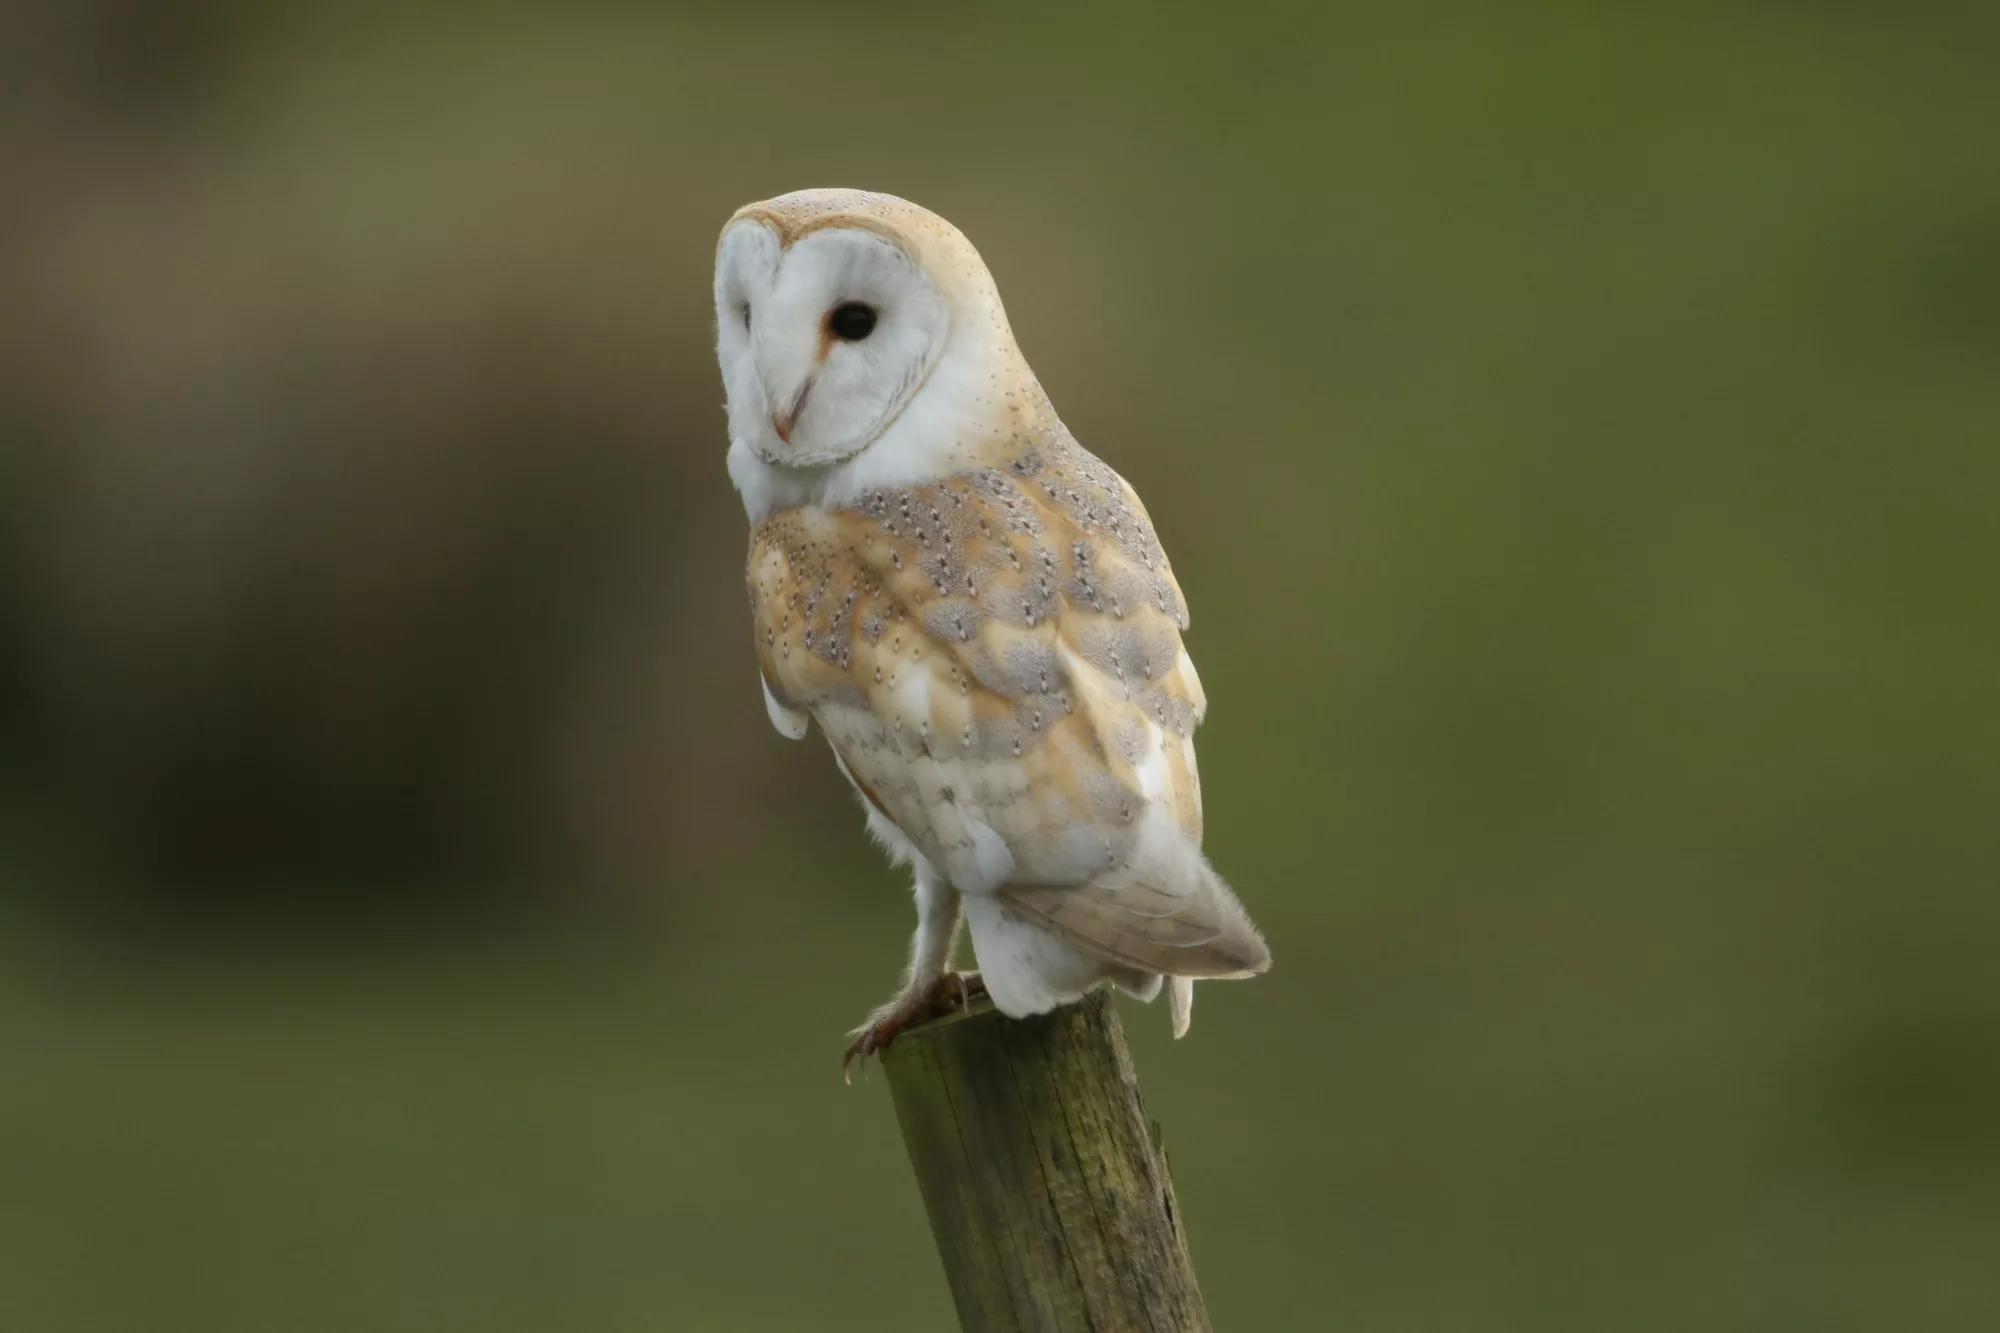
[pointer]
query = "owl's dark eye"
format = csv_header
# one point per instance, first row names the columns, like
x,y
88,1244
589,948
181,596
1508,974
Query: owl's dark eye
x,y
852,321
746,314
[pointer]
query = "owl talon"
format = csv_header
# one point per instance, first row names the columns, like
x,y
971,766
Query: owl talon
x,y
970,986
861,1048
872,1038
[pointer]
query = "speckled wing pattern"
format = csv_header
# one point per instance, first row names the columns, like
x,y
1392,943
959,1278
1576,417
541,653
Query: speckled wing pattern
x,y
996,659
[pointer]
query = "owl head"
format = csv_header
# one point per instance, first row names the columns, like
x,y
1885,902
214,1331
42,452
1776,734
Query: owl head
x,y
848,322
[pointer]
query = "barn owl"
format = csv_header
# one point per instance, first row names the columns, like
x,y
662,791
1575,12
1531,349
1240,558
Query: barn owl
x,y
974,610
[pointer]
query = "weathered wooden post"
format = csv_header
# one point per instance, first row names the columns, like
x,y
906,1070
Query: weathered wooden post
x,y
1046,1185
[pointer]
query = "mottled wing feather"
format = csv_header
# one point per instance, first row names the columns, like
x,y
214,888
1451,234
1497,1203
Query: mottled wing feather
x,y
996,659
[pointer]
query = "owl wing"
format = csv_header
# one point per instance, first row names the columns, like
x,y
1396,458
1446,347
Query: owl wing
x,y
996,659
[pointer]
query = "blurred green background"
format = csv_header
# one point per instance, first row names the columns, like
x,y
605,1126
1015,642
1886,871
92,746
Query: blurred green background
x,y
1576,428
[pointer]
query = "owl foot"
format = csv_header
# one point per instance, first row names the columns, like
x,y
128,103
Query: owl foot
x,y
951,992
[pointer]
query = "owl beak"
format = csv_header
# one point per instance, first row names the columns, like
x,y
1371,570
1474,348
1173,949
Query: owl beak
x,y
782,422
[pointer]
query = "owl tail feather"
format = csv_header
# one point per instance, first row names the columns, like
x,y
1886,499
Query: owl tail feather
x,y
1180,1003
1179,920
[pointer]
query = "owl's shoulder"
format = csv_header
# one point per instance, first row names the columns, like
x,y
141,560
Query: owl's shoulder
x,y
1045,505
995,562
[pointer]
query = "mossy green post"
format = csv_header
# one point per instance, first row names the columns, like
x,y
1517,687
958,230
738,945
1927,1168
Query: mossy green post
x,y
1046,1185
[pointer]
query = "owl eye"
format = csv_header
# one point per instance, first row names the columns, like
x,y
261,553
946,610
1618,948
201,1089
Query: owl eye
x,y
746,314
852,321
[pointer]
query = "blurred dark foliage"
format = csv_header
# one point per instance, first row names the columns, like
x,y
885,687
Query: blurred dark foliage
x,y
306,566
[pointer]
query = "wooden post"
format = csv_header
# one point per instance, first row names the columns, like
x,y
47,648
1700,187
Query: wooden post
x,y
1046,1185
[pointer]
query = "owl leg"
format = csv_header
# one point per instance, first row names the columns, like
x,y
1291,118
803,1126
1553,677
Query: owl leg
x,y
929,985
